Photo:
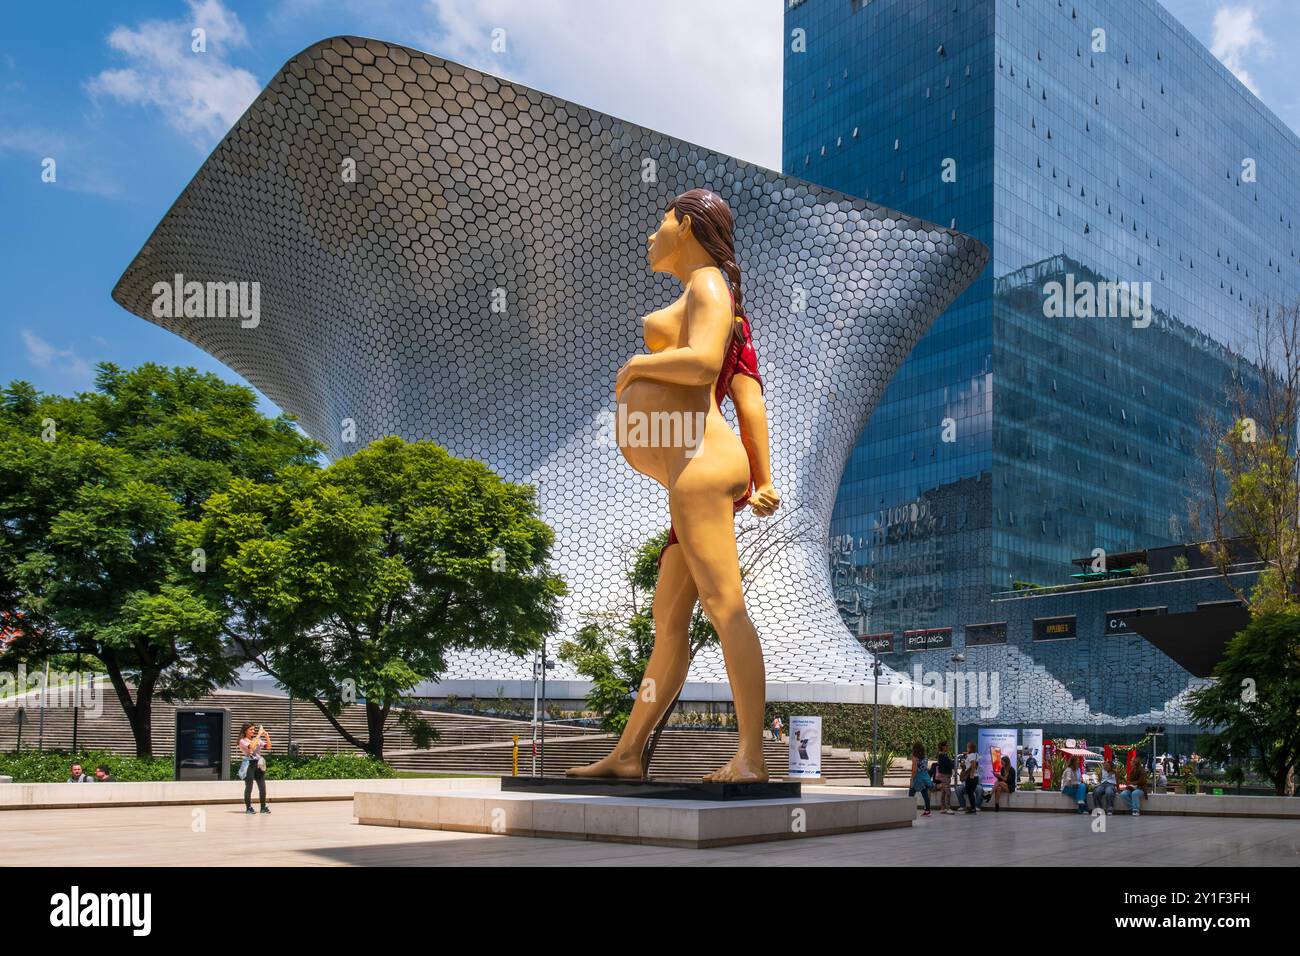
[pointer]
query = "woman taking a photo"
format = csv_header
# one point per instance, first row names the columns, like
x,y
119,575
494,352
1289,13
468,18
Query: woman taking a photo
x,y
254,741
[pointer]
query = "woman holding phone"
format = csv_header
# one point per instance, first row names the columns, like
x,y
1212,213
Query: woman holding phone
x,y
254,741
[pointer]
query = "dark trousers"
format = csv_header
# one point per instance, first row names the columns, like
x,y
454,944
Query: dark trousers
x,y
972,788
258,774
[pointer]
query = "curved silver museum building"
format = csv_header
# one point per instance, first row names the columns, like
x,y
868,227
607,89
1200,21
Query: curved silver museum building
x,y
442,254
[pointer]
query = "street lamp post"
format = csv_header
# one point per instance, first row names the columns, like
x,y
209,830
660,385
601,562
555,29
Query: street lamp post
x,y
959,658
876,780
543,705
76,697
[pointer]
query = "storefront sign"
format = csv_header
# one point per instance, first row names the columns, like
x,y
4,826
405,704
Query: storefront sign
x,y
1055,628
981,635
882,643
928,639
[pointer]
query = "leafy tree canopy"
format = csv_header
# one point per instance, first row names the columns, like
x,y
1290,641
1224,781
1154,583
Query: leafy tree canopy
x,y
356,581
94,491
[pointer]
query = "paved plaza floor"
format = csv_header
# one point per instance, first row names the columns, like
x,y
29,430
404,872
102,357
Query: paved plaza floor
x,y
324,834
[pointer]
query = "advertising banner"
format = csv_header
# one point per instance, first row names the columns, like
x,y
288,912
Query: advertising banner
x,y
805,747
1031,742
995,743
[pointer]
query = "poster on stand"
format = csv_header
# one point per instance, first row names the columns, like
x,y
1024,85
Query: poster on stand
x,y
995,743
1031,743
805,747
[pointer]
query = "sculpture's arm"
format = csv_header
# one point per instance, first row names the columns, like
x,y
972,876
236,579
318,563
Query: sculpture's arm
x,y
708,331
751,415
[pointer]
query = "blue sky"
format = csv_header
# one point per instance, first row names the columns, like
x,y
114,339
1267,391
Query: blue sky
x,y
115,96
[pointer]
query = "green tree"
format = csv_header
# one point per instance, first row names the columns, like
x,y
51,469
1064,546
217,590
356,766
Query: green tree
x,y
612,649
1248,503
1254,703
355,581
94,492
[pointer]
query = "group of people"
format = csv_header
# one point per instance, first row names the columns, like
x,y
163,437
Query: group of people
x,y
254,744
77,774
1074,785
939,777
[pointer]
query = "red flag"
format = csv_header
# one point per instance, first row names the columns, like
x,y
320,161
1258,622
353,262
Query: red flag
x,y
1108,752
1132,758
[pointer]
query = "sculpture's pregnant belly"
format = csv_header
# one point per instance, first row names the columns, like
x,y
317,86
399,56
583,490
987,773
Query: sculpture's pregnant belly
x,y
662,428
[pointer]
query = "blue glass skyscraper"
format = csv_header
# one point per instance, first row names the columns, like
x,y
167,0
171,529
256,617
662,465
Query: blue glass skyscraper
x,y
1090,144
1097,139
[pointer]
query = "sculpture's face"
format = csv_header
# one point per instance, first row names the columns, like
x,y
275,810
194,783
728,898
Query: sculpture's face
x,y
665,244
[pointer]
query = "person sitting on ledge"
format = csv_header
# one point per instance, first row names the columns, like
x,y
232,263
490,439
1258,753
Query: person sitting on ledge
x,y
102,774
78,775
1103,798
1137,788
1004,783
1072,785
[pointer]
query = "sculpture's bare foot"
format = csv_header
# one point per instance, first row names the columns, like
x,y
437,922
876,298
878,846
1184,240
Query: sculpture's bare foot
x,y
615,765
740,769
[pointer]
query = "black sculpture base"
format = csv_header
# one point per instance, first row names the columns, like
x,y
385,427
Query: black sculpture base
x,y
661,789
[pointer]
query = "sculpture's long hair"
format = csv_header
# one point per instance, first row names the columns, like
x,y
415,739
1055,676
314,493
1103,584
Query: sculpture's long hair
x,y
713,226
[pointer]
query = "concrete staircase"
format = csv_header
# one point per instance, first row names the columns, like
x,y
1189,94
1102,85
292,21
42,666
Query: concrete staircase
x,y
466,743
682,752
311,731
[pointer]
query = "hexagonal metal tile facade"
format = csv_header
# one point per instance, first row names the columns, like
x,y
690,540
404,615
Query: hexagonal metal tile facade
x,y
446,255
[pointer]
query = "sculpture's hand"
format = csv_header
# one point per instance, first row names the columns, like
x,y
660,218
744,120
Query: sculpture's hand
x,y
626,375
765,500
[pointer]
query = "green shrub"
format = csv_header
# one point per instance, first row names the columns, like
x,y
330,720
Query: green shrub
x,y
51,766
849,725
324,767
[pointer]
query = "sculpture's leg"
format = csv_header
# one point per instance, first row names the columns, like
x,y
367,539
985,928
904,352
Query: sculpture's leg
x,y
665,672
705,523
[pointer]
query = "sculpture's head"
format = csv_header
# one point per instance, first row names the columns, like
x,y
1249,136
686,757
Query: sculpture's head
x,y
699,221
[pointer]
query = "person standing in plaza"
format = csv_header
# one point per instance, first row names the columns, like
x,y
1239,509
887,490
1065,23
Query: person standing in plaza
x,y
776,729
943,778
254,743
1031,764
921,781
970,775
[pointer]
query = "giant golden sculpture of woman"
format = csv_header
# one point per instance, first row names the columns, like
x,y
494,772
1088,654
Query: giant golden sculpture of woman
x,y
700,352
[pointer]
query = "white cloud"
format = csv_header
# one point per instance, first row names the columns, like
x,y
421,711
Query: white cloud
x,y
1236,37
200,94
707,74
63,362
72,171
